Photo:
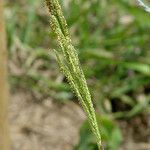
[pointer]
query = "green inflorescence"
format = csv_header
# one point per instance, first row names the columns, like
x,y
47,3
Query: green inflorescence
x,y
69,64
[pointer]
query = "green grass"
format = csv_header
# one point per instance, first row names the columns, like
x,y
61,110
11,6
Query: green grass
x,y
115,47
69,64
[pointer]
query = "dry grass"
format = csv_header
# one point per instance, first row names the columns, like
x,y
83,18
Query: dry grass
x,y
4,140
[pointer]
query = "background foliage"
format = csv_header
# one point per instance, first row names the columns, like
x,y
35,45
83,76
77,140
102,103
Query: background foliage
x,y
112,38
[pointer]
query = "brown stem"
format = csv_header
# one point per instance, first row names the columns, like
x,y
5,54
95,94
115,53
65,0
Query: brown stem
x,y
4,140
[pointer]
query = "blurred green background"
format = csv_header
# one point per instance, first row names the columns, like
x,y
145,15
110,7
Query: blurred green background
x,y
112,38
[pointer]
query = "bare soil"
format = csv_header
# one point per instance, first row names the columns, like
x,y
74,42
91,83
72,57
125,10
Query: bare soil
x,y
43,126
51,126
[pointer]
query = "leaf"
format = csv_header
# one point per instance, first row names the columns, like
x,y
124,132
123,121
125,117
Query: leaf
x,y
111,135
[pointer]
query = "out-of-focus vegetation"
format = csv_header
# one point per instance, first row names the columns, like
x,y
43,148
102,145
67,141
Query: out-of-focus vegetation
x,y
113,41
110,134
4,136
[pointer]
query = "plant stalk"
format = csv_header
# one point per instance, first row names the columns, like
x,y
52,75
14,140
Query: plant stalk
x,y
4,136
69,64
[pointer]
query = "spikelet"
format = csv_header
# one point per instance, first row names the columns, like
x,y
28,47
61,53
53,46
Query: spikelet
x,y
70,66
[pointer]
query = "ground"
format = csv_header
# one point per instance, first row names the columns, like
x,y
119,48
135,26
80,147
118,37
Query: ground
x,y
43,126
49,125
